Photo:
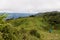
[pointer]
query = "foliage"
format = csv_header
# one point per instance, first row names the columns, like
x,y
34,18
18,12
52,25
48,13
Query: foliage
x,y
52,18
35,33
30,28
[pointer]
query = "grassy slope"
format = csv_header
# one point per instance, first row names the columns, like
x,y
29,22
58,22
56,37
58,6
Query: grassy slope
x,y
36,23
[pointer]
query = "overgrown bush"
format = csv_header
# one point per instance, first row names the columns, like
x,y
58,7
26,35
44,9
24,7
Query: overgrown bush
x,y
34,33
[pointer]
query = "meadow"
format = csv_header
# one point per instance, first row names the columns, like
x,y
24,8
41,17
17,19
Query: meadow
x,y
41,26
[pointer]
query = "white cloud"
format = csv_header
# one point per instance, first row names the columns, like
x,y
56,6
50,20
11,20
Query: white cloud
x,y
30,6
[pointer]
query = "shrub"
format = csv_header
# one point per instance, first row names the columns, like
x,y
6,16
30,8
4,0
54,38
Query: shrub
x,y
35,33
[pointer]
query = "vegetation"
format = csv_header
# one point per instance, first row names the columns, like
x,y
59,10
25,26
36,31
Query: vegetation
x,y
42,26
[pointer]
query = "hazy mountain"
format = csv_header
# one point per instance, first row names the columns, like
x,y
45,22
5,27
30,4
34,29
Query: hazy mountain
x,y
16,15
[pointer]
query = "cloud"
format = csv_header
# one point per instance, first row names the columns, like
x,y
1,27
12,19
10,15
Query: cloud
x,y
29,6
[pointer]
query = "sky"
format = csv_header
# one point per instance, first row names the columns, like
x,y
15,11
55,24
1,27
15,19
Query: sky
x,y
29,6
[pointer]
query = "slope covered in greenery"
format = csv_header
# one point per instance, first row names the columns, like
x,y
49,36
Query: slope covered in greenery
x,y
45,26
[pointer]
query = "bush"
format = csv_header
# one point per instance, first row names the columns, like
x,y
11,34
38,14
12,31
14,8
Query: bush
x,y
35,33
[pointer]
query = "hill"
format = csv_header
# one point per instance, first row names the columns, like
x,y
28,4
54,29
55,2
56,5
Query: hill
x,y
45,26
16,15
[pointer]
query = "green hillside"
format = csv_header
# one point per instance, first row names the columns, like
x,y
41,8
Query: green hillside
x,y
44,26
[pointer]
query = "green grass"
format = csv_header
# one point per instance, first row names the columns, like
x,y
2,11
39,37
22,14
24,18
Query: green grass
x,y
30,28
35,23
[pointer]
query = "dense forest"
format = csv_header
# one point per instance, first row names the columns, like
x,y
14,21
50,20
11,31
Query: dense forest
x,y
41,26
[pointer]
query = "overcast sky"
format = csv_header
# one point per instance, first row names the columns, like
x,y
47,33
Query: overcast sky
x,y
29,6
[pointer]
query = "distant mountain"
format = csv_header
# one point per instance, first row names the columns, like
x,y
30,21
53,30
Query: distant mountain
x,y
38,14
16,15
